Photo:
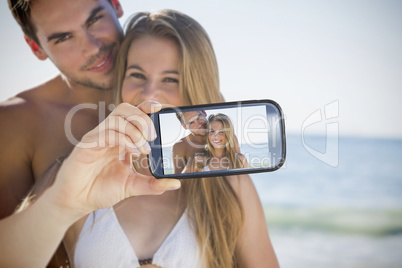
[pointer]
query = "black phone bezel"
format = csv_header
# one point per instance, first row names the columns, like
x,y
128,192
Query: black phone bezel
x,y
156,148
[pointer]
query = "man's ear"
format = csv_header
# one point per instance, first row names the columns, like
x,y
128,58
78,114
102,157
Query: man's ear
x,y
117,8
36,49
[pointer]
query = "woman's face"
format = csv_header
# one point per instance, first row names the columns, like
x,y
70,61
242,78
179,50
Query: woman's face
x,y
152,72
217,134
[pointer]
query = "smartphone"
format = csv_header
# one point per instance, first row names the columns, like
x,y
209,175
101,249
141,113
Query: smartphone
x,y
219,139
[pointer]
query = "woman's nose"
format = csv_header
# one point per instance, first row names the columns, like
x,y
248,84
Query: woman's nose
x,y
150,91
149,88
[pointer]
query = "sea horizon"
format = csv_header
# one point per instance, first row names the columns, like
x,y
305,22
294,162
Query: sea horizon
x,y
348,215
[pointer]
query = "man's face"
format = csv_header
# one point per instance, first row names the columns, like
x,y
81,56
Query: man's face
x,y
196,122
81,38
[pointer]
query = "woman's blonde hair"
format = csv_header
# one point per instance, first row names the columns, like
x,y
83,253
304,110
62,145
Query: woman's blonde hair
x,y
199,78
229,152
214,207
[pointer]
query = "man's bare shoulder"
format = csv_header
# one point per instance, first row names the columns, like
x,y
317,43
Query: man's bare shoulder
x,y
27,107
19,110
22,117
17,104
181,144
17,138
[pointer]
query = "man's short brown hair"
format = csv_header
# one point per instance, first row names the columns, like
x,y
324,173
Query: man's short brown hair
x,y
21,10
179,116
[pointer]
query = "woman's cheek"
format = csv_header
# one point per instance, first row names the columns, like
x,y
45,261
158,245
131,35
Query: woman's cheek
x,y
128,92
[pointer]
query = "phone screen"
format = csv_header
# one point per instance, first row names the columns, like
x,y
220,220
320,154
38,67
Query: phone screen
x,y
218,139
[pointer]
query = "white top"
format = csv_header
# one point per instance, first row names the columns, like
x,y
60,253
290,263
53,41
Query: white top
x,y
103,243
206,168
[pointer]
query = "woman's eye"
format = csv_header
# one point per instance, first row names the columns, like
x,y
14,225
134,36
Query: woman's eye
x,y
137,75
171,80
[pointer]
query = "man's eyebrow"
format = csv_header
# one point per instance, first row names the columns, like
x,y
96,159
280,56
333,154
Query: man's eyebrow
x,y
94,12
193,120
57,36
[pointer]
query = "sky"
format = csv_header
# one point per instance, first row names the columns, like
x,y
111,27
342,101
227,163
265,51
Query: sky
x,y
324,62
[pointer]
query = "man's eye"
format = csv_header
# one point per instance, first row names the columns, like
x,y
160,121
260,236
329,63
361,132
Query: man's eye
x,y
63,38
92,21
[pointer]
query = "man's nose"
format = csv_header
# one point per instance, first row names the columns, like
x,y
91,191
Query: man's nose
x,y
90,44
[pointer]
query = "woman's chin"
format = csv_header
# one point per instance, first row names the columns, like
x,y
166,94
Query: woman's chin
x,y
218,146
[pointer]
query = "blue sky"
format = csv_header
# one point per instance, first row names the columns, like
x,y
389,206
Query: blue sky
x,y
306,55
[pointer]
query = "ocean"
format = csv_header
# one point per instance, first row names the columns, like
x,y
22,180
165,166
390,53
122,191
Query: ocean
x,y
343,215
335,202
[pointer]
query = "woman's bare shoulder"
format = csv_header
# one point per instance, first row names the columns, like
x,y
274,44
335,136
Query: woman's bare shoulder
x,y
254,242
242,184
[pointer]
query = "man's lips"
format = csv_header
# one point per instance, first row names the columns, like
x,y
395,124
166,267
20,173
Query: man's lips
x,y
102,64
200,129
